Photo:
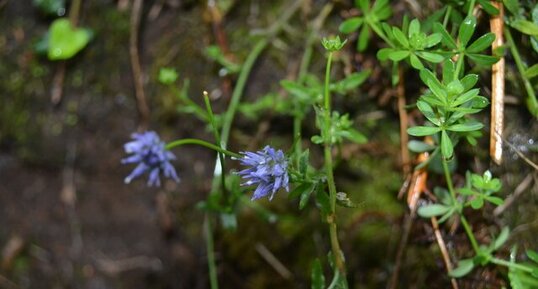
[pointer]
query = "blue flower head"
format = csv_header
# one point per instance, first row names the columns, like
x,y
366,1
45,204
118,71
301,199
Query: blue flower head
x,y
151,155
268,169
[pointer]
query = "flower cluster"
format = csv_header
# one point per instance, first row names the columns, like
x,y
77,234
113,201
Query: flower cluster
x,y
268,169
150,153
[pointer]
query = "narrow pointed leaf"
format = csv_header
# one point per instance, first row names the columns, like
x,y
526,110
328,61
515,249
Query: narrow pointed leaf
x,y
466,30
465,97
364,36
446,145
431,57
469,81
468,126
398,55
318,279
415,62
400,37
502,238
433,210
481,43
448,71
446,38
481,59
464,267
423,130
414,27
350,25
383,53
525,27
433,39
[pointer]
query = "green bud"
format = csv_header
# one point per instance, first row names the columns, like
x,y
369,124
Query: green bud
x,y
333,44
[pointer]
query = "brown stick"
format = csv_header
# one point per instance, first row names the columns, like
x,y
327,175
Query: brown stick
x,y
141,102
497,89
404,138
444,250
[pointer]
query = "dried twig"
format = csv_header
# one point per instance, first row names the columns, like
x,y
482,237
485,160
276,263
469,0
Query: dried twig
x,y
444,250
522,187
497,88
141,102
273,261
402,112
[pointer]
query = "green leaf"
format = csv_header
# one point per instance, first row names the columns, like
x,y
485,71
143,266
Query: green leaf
x,y
502,238
415,62
464,267
363,5
531,71
414,27
490,9
299,190
364,37
430,56
355,136
65,40
382,12
481,43
428,112
433,210
494,200
467,126
465,97
448,71
384,53
400,37
485,60
351,24
512,6
295,89
477,202
323,200
228,221
433,40
318,279
419,146
167,75
525,27
423,130
446,38
532,255
305,196
351,82
398,55
469,81
447,149
466,30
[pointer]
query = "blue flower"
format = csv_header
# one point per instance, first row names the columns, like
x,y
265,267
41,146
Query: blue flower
x,y
268,169
149,152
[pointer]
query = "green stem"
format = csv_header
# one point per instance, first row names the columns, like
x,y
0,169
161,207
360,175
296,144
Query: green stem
x,y
194,141
459,65
333,232
511,265
213,281
216,134
532,103
469,232
464,222
471,7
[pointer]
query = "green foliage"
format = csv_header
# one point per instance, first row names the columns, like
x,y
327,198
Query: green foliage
x,y
215,53
167,75
318,279
371,19
333,44
65,40
50,7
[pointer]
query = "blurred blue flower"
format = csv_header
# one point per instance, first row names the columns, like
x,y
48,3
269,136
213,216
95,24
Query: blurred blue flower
x,y
151,155
268,169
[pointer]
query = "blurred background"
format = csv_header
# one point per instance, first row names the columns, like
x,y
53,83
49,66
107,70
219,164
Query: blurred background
x,y
67,220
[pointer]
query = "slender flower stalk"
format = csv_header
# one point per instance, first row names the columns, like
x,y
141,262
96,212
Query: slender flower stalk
x,y
333,232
